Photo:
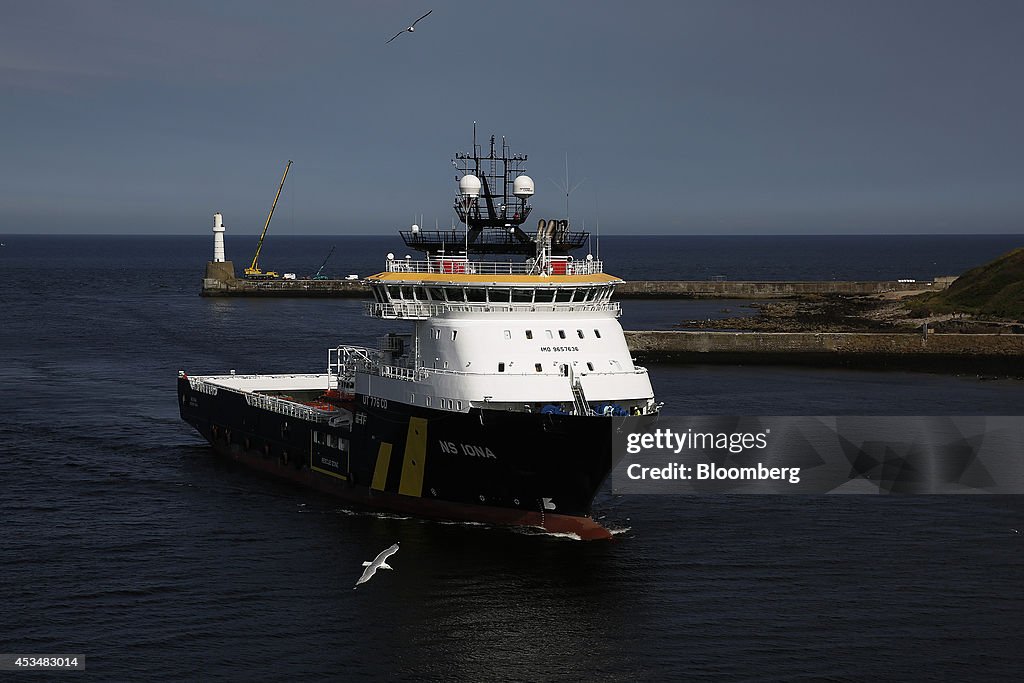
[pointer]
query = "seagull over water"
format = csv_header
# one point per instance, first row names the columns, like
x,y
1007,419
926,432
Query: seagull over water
x,y
411,29
379,562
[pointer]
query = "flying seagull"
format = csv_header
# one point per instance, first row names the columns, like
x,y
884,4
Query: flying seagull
x,y
379,562
410,29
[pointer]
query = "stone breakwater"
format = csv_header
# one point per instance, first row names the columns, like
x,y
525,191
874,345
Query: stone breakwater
x,y
767,289
996,353
218,283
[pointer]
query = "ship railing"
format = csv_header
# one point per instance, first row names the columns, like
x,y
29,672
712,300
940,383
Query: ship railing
x,y
461,266
418,310
424,372
399,372
199,385
344,361
288,408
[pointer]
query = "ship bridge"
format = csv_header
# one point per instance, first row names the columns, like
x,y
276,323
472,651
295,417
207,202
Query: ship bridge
x,y
415,290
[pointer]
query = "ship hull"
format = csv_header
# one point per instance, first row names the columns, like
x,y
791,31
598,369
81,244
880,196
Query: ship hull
x,y
498,467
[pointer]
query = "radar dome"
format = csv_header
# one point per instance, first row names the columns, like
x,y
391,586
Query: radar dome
x,y
469,186
522,186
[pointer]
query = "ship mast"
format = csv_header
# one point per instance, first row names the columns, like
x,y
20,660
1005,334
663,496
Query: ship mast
x,y
494,215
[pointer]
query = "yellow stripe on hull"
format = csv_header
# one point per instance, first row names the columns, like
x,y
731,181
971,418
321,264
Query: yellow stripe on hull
x,y
329,473
415,459
380,470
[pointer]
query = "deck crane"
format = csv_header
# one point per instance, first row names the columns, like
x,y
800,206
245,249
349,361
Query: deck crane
x,y
319,271
253,271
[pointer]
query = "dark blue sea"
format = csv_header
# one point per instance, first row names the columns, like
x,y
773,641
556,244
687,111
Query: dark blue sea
x,y
122,538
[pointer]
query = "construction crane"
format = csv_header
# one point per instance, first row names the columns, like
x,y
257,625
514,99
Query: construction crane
x,y
254,271
319,271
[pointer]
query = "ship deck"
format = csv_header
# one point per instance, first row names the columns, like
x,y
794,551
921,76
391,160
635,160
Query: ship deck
x,y
269,384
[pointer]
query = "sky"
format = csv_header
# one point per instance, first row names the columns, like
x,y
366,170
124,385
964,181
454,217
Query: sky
x,y
687,117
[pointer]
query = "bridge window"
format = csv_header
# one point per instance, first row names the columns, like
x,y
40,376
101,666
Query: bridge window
x,y
436,333
522,296
508,334
548,334
498,296
529,334
476,295
394,292
437,293
455,333
501,367
590,366
563,295
597,333
421,294
538,367
580,333
561,334
545,296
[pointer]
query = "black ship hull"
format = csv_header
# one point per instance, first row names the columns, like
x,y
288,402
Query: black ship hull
x,y
500,467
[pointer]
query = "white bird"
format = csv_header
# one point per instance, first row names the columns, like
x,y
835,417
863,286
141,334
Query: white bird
x,y
379,562
410,29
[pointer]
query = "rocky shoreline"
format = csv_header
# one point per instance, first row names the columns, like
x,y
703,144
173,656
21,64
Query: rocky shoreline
x,y
840,313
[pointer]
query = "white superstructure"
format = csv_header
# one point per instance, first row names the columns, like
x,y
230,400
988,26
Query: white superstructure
x,y
539,335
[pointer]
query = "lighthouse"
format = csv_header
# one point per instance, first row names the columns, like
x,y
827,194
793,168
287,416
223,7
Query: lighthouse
x,y
218,238
220,272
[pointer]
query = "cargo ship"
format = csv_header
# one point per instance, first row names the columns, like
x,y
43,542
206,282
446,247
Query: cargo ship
x,y
497,406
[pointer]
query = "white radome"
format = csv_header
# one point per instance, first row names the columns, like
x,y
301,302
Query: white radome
x,y
522,186
469,186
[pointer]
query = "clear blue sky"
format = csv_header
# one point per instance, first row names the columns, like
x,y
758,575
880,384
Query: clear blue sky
x,y
705,117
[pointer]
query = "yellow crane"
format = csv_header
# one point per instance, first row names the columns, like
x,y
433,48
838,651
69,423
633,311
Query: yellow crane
x,y
254,271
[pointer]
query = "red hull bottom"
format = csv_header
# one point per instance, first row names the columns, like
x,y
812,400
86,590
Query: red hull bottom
x,y
584,527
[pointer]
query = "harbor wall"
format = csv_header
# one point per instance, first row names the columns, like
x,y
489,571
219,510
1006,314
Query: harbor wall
x,y
767,289
997,353
337,289
220,281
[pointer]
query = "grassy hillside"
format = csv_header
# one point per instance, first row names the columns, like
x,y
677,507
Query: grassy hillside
x,y
994,289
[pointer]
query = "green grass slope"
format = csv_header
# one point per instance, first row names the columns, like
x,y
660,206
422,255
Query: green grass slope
x,y
995,289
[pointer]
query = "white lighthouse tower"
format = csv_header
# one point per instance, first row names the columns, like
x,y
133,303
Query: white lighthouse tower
x,y
218,238
220,272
